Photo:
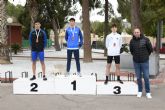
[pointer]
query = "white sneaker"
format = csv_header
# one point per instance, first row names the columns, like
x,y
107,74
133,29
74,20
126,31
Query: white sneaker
x,y
67,74
79,74
149,95
139,94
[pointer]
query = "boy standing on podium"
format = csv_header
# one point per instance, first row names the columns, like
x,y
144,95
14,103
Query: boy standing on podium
x,y
38,42
113,45
74,39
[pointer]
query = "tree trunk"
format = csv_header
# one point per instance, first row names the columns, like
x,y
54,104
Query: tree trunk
x,y
106,25
135,14
86,31
33,9
4,49
56,35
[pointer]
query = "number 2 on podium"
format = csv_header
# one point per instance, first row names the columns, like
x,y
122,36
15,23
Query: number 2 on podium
x,y
34,87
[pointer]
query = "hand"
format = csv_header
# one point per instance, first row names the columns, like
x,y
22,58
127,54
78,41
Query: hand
x,y
80,45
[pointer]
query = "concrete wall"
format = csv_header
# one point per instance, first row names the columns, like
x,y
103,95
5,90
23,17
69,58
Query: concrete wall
x,y
126,63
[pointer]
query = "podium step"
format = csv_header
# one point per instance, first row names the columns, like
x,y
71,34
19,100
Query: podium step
x,y
75,85
116,88
38,86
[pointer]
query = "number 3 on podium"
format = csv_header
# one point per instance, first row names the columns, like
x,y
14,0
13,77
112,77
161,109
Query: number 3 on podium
x,y
117,90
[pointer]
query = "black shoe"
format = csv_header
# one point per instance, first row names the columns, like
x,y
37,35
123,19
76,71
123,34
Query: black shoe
x,y
33,78
120,81
106,82
44,78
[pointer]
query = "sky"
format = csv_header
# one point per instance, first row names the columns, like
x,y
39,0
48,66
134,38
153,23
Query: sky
x,y
22,2
93,15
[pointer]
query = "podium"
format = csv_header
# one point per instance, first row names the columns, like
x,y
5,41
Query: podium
x,y
75,85
116,88
38,86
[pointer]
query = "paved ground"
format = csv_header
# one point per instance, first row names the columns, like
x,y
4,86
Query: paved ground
x,y
8,101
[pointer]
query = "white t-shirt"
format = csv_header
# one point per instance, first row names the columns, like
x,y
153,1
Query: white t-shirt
x,y
113,44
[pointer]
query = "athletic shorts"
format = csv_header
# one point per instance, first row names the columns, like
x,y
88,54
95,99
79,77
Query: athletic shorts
x,y
116,58
35,55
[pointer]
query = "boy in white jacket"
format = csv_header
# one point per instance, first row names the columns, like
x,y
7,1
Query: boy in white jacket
x,y
113,45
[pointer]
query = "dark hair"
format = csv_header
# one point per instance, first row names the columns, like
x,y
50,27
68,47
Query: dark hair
x,y
37,21
136,27
113,25
71,19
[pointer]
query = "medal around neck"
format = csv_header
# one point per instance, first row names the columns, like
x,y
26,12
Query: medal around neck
x,y
73,31
37,34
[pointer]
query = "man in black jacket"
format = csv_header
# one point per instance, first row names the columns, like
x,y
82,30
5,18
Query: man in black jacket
x,y
141,48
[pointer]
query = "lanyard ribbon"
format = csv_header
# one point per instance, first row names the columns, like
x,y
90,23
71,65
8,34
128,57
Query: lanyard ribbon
x,y
37,34
72,30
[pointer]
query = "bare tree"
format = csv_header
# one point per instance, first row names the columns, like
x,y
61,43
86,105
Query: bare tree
x,y
86,31
33,9
106,26
135,14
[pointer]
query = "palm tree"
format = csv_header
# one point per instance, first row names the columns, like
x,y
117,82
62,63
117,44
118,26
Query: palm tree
x,y
4,49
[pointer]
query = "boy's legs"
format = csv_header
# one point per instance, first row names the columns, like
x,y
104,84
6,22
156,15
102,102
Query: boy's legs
x,y
108,67
34,59
69,58
117,72
34,67
41,57
77,59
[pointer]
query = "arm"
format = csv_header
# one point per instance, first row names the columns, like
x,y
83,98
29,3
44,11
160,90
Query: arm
x,y
66,35
121,42
131,47
81,38
149,46
30,38
106,42
45,39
